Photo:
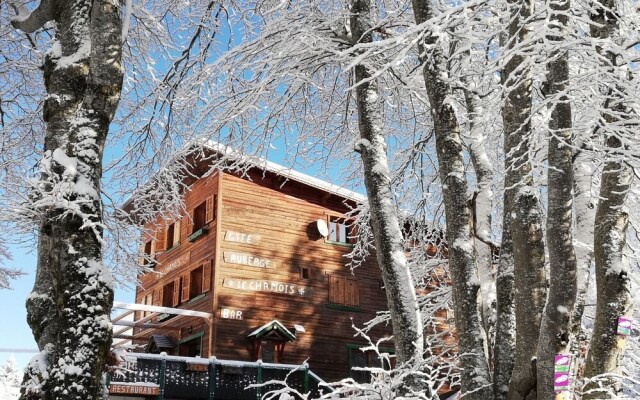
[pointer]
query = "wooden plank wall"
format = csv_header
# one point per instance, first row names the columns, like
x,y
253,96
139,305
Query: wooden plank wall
x,y
176,262
283,218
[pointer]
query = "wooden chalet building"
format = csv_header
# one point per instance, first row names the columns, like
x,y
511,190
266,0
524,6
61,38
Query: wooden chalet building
x,y
252,252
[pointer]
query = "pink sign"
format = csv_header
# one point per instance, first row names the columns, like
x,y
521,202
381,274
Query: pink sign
x,y
561,372
624,326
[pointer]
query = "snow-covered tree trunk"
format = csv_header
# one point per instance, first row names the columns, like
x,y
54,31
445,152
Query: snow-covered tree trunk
x,y
483,206
520,284
555,331
610,233
475,375
528,255
68,309
585,215
612,277
399,286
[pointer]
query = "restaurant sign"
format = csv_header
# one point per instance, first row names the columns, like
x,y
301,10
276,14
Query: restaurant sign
x,y
239,237
232,257
177,263
135,389
262,285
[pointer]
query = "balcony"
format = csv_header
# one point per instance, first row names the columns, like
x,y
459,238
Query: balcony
x,y
174,377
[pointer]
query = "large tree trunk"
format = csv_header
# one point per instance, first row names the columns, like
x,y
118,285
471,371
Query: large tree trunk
x,y
585,211
555,332
475,375
69,307
610,236
521,280
388,237
483,207
612,277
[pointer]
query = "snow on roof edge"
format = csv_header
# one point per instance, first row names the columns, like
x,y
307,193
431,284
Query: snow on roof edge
x,y
289,173
268,324
264,164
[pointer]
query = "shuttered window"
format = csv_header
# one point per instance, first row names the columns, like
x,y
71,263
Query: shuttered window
x,y
146,253
203,214
173,235
146,299
196,281
199,217
344,291
167,295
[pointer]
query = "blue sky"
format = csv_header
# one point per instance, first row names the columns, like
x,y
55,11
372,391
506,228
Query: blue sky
x,y
15,332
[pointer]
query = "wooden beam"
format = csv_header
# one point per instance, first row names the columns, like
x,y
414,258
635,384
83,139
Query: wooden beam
x,y
162,310
138,324
123,315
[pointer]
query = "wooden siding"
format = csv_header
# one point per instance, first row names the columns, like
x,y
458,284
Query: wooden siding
x,y
258,279
175,265
284,216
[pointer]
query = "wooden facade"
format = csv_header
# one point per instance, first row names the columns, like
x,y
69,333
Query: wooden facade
x,y
250,253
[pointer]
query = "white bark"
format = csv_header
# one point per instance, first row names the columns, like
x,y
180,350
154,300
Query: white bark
x,y
482,209
401,296
68,309
475,376
522,243
555,331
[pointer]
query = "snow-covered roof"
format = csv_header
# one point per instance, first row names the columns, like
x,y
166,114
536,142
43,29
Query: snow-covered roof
x,y
269,326
285,172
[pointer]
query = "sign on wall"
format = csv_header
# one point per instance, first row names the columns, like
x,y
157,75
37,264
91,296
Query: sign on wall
x,y
231,313
624,326
233,257
137,389
562,363
261,285
197,367
177,263
239,237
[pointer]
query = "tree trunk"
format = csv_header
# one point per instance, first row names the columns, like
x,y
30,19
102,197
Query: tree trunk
x,y
401,297
475,377
612,278
530,290
555,332
585,206
69,307
610,234
483,207
522,243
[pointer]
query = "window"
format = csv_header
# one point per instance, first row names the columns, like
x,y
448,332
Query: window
x,y
173,235
304,273
368,359
199,217
344,291
358,359
191,347
146,253
167,294
147,300
195,288
341,230
196,281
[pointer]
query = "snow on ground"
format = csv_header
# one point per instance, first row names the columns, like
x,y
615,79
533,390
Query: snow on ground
x,y
9,392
